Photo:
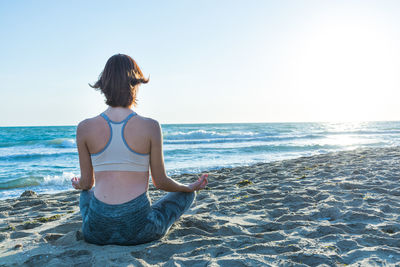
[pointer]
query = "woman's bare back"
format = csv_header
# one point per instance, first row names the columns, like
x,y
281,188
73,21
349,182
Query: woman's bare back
x,y
116,187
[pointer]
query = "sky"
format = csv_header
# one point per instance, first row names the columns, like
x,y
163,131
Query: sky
x,y
208,61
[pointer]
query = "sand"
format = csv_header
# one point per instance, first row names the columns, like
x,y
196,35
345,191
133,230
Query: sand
x,y
336,209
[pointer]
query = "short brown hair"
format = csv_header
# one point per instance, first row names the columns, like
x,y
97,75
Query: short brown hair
x,y
120,80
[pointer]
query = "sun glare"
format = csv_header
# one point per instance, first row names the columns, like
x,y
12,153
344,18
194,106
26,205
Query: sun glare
x,y
346,68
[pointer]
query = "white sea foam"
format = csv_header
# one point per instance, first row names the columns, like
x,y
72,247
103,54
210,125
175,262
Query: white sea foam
x,y
62,142
198,134
58,180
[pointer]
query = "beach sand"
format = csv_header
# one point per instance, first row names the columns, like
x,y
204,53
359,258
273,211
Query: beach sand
x,y
334,209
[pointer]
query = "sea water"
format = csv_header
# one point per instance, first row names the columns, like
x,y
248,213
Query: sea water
x,y
44,159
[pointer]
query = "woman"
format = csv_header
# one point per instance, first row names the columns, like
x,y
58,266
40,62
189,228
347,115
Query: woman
x,y
116,150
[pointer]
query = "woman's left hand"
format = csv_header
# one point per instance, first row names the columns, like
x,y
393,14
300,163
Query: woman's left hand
x,y
200,184
75,182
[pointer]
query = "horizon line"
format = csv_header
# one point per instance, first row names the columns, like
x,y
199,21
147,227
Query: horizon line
x,y
192,123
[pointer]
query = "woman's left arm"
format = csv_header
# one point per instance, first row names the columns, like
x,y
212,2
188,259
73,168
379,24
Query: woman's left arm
x,y
86,181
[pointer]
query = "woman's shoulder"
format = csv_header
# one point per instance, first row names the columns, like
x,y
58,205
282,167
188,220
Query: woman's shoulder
x,y
149,123
89,124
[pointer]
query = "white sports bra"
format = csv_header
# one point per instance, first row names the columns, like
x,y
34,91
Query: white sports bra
x,y
117,155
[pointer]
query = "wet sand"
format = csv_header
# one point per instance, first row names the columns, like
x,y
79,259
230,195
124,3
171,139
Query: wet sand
x,y
337,209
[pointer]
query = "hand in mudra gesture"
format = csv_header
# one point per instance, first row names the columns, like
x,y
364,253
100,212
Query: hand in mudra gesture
x,y
200,183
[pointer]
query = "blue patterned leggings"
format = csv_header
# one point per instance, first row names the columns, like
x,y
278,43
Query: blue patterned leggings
x,y
133,222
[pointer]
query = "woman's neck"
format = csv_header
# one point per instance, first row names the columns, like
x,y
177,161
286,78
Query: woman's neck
x,y
118,109
118,113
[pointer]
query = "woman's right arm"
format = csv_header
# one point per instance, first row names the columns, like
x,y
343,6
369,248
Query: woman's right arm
x,y
86,181
158,174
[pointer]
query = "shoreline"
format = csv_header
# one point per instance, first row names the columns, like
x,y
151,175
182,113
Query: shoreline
x,y
339,208
213,169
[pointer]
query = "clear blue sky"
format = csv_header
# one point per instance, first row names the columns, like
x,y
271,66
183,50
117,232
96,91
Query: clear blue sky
x,y
208,61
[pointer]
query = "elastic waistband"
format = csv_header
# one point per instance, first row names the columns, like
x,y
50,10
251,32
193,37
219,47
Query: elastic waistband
x,y
140,204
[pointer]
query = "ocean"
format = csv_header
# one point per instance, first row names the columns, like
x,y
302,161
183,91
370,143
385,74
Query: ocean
x,y
44,159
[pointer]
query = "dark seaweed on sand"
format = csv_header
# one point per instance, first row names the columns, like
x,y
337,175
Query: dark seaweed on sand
x,y
244,183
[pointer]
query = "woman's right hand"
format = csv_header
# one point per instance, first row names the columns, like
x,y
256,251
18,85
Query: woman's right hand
x,y
200,183
75,182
